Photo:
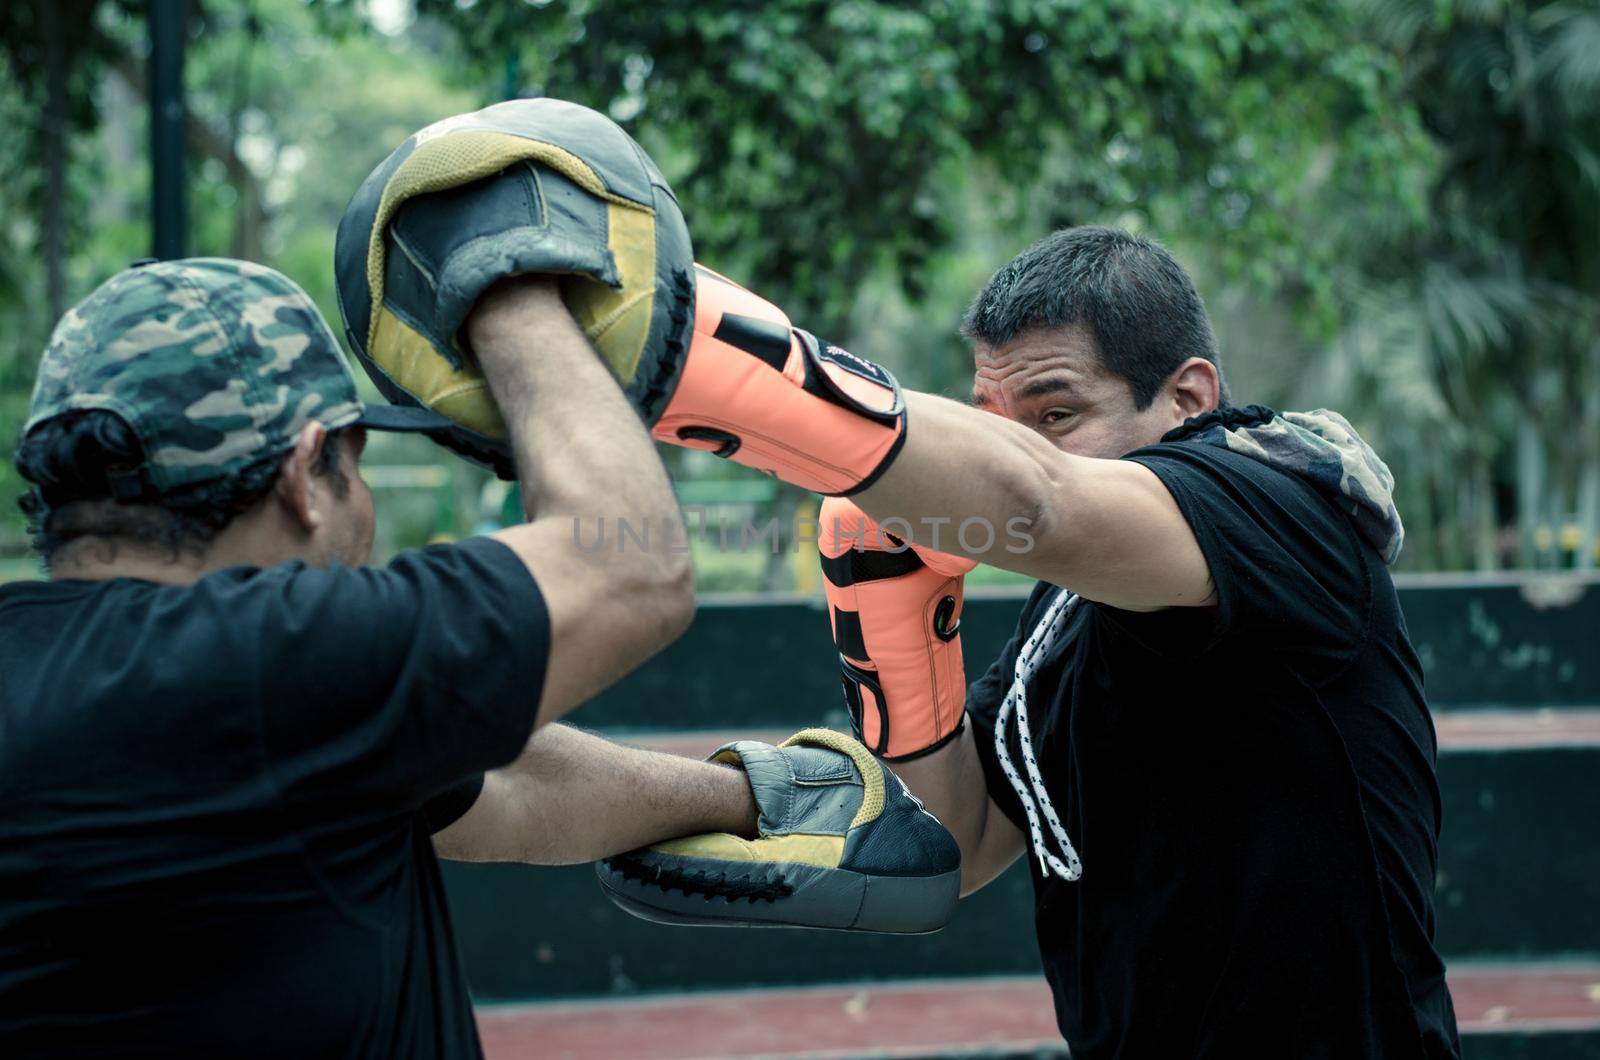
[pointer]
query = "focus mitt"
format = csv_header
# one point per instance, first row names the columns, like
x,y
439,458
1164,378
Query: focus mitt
x,y
527,186
842,844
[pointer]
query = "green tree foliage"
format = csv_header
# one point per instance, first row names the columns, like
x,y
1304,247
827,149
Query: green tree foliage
x,y
287,112
1390,204
828,152
816,143
1477,348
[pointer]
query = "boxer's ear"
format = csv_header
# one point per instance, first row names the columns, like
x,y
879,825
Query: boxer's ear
x,y
1194,389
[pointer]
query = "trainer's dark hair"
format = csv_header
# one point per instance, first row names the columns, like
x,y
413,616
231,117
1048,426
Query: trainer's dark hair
x,y
1137,302
71,458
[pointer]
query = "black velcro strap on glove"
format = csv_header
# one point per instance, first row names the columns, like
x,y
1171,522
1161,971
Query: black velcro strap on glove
x,y
536,186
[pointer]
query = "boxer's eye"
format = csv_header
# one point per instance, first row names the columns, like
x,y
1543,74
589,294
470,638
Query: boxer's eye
x,y
1055,417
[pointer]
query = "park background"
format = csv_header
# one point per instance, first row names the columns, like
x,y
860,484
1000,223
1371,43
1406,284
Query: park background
x,y
1392,207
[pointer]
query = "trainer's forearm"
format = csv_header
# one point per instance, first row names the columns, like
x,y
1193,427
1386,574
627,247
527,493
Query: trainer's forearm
x,y
574,797
585,462
576,440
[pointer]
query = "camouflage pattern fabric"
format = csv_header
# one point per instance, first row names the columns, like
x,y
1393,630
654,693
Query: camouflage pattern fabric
x,y
1321,446
214,363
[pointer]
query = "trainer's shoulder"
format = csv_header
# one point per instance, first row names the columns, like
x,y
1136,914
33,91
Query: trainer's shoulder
x,y
25,596
481,560
296,599
1232,496
287,596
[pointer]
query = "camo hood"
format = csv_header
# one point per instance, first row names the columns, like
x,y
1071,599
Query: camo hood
x,y
1319,446
215,364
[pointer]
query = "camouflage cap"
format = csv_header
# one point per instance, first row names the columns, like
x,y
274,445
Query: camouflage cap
x,y
215,364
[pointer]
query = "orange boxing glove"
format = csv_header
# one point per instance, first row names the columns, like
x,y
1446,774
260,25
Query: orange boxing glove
x,y
765,394
896,614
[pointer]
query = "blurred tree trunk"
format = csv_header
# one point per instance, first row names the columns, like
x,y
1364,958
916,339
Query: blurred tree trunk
x,y
1589,480
1588,515
56,60
250,208
1530,489
249,216
1421,519
1485,526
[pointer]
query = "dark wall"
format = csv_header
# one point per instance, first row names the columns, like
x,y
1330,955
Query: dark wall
x,y
771,664
1517,878
1518,860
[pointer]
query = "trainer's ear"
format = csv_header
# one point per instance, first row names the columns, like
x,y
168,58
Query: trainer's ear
x,y
295,488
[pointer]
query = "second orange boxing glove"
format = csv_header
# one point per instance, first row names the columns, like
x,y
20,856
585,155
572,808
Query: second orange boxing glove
x,y
896,615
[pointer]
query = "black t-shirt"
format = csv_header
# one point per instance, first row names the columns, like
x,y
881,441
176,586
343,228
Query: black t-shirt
x,y
216,803
1251,790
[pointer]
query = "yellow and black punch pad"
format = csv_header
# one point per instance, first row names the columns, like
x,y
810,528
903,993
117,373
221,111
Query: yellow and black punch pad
x,y
528,186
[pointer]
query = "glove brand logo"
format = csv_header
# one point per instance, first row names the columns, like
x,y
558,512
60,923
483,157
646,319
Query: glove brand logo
x,y
851,363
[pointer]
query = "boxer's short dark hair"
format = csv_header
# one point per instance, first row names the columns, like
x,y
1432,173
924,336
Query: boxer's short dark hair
x,y
1135,299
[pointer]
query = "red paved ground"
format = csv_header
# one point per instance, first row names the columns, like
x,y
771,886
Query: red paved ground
x,y
973,1015
811,1022
1491,729
1555,996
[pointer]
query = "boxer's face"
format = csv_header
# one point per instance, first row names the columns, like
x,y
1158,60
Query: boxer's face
x,y
1051,381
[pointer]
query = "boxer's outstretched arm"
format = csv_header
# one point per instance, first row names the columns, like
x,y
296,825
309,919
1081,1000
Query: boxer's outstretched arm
x,y
573,797
950,783
1108,529
581,455
825,419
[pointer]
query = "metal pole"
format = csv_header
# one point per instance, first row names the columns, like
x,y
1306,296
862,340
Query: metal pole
x,y
511,87
169,205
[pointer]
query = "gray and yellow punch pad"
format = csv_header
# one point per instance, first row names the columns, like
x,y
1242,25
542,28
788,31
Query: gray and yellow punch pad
x,y
842,844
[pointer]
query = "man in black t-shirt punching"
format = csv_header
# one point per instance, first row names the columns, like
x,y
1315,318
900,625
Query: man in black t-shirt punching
x,y
1209,732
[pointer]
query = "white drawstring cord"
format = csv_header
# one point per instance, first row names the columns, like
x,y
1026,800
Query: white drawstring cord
x,y
1016,701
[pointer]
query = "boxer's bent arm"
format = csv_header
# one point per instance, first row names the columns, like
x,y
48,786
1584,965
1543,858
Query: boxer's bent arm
x,y
582,454
950,783
1108,529
573,797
